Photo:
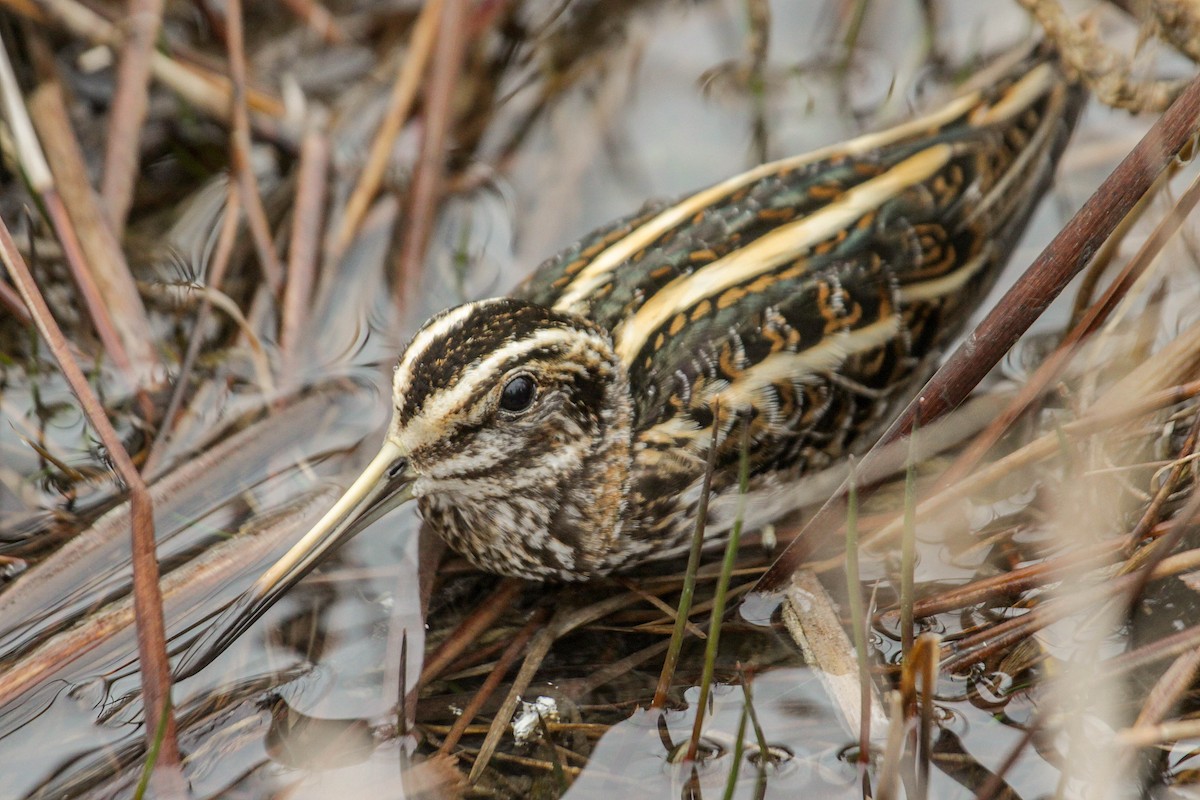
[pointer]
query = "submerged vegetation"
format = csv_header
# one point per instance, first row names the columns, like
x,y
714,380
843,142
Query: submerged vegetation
x,y
237,216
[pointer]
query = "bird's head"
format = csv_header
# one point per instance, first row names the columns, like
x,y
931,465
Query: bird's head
x,y
511,424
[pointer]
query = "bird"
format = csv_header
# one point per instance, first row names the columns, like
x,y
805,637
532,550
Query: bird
x,y
561,432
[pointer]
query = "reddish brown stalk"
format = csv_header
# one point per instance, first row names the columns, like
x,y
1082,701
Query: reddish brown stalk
x,y
239,138
307,220
490,684
1091,321
85,282
87,234
430,169
1049,274
1153,512
400,102
195,84
1018,580
471,628
13,304
128,111
1170,646
147,597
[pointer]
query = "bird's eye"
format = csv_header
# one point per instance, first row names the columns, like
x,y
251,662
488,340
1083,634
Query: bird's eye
x,y
517,394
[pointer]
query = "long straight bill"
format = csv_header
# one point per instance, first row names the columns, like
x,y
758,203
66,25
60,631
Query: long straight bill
x,y
385,484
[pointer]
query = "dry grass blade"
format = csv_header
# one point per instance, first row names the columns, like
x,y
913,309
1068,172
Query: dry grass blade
x,y
687,593
102,275
1141,392
1049,274
243,168
155,670
506,660
1089,323
307,222
128,111
425,195
400,102
811,617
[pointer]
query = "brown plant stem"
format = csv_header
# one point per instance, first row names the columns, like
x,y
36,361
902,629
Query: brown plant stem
x,y
1090,322
147,597
307,221
400,103
429,176
490,684
256,214
128,110
1061,260
13,304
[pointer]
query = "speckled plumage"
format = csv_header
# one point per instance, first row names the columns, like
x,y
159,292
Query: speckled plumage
x,y
805,296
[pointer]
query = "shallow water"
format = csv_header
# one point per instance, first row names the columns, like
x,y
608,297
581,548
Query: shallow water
x,y
658,111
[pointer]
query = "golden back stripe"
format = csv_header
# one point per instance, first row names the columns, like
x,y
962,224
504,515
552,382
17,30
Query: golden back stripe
x,y
770,250
823,357
947,284
594,275
1017,97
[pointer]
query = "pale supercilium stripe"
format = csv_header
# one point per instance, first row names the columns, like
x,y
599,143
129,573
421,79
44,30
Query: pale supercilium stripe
x,y
427,425
599,270
433,331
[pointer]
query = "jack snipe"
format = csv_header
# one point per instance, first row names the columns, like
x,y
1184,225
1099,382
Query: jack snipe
x,y
562,432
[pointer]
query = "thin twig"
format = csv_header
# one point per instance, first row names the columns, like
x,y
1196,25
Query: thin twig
x,y
307,221
689,580
147,597
505,662
400,102
243,168
1049,274
429,175
128,110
